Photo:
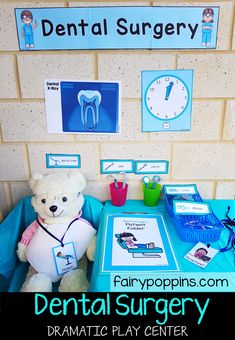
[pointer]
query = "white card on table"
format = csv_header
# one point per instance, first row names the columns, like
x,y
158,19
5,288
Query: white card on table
x,y
201,254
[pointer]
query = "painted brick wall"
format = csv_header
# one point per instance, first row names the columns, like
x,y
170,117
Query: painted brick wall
x,y
205,155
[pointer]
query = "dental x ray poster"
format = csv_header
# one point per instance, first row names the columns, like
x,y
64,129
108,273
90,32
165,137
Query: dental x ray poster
x,y
167,100
82,106
137,243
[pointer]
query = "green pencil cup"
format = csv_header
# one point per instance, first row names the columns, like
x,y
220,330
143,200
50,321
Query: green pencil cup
x,y
151,196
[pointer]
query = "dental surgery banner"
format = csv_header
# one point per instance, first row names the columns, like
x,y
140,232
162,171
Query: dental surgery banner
x,y
86,28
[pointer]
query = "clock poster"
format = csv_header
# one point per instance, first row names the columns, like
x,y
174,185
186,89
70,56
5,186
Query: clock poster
x,y
167,100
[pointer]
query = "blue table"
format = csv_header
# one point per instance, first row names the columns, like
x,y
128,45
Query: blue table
x,y
223,262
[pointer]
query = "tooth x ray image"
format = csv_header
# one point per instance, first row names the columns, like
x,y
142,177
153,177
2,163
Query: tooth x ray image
x,y
89,106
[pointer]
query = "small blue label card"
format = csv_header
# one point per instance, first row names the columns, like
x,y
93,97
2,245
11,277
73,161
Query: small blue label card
x,y
65,258
191,208
114,166
151,167
63,161
178,189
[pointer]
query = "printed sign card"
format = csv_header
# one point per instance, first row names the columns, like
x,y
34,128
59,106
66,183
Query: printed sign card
x,y
65,258
201,254
82,106
191,208
151,167
180,189
115,166
63,161
137,243
116,27
167,100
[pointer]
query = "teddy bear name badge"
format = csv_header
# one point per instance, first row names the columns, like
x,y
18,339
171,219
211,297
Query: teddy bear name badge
x,y
65,258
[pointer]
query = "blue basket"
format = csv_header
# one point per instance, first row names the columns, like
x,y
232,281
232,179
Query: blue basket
x,y
195,228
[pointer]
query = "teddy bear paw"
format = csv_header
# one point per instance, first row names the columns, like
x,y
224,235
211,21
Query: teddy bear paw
x,y
37,283
74,281
21,248
90,252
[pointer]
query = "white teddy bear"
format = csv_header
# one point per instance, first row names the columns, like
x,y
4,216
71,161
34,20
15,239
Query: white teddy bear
x,y
59,237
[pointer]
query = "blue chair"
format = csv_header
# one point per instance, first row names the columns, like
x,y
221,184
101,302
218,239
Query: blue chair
x,y
139,252
12,271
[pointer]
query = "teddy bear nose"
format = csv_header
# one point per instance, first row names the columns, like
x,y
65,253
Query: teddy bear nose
x,y
53,208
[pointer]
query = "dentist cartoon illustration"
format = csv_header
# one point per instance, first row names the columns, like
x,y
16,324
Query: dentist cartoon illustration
x,y
207,26
27,28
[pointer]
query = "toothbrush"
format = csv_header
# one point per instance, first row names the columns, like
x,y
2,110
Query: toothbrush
x,y
124,179
115,183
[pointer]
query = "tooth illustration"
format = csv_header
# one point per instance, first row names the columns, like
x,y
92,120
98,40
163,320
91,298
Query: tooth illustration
x,y
89,101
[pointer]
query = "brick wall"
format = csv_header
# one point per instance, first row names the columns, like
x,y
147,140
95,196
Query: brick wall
x,y
205,155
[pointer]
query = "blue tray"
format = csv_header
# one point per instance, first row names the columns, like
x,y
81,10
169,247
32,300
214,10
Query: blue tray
x,y
194,228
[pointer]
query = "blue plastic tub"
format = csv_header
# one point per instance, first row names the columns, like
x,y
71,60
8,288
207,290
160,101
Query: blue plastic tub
x,y
193,228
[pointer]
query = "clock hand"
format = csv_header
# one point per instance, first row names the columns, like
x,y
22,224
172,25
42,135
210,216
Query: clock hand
x,y
168,90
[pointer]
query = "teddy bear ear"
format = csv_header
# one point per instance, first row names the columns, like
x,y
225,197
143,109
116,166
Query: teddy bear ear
x,y
79,180
33,181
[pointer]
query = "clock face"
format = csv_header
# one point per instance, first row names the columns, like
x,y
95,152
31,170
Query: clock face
x,y
167,97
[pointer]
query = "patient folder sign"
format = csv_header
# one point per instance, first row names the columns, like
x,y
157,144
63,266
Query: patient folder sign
x,y
136,243
85,28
